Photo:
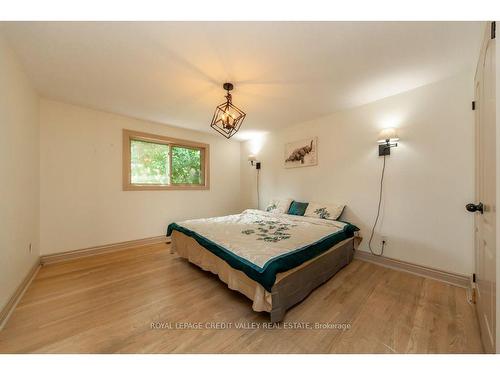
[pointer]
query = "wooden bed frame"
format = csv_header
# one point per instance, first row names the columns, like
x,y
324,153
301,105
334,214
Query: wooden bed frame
x,y
299,284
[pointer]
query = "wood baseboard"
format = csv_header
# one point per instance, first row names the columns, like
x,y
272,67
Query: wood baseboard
x,y
16,297
90,251
65,256
456,279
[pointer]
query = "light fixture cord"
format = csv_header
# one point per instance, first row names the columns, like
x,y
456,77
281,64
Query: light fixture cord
x,y
258,190
378,214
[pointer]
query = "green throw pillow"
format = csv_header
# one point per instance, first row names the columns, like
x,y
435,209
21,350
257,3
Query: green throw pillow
x,y
297,208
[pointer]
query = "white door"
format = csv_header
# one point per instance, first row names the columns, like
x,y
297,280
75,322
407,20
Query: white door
x,y
485,205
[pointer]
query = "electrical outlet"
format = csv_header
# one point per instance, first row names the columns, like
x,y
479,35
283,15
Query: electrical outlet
x,y
30,248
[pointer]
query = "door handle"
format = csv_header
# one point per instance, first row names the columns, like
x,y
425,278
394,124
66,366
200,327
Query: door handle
x,y
471,207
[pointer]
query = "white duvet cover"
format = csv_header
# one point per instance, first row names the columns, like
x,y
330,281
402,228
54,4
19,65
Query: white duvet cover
x,y
258,237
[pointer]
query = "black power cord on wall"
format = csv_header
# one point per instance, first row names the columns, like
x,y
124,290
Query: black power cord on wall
x,y
378,215
258,190
258,165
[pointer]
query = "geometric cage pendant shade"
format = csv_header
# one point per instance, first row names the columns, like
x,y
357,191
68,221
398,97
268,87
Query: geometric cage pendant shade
x,y
227,117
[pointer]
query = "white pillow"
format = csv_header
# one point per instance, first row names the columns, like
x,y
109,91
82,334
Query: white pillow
x,y
279,206
326,211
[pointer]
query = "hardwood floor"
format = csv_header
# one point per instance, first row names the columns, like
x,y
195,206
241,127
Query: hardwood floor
x,y
107,303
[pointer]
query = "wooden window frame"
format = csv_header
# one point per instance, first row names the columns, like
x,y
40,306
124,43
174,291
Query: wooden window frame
x,y
129,135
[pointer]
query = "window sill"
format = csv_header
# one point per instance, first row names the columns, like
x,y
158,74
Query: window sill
x,y
164,187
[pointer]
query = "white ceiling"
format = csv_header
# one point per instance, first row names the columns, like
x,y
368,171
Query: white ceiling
x,y
284,72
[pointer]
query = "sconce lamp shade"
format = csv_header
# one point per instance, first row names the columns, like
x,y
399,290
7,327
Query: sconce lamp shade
x,y
252,158
388,135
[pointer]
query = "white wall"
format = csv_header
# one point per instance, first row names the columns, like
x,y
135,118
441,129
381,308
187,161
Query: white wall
x,y
83,203
19,173
429,176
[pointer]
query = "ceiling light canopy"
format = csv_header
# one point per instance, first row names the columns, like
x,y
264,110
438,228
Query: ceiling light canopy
x,y
227,117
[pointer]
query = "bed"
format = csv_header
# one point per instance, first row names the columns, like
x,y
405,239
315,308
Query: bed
x,y
275,260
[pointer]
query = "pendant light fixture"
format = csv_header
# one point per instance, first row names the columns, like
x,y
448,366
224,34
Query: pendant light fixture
x,y
227,117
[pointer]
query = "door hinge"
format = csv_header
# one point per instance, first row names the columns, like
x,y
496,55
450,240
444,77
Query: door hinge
x,y
493,30
473,105
473,277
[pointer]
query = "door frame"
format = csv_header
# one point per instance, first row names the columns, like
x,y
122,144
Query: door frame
x,y
488,345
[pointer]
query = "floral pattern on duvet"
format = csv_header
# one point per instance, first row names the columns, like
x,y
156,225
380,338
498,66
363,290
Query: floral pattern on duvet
x,y
270,230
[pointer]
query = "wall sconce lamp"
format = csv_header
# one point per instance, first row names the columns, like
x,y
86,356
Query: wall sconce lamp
x,y
387,138
253,161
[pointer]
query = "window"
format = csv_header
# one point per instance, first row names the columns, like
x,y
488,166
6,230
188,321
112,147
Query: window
x,y
154,162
